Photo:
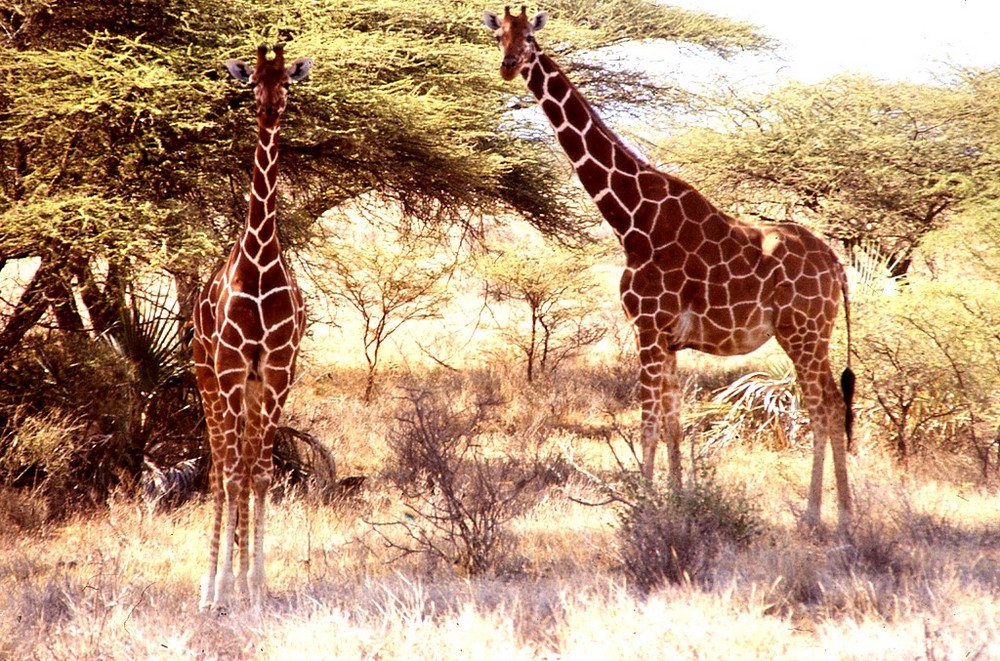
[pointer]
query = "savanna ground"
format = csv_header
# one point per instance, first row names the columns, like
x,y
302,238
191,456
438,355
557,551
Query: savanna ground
x,y
918,577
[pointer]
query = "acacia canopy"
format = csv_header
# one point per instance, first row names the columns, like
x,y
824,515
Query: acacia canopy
x,y
123,143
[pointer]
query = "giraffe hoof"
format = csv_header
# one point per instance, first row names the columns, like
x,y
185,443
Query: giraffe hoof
x,y
811,526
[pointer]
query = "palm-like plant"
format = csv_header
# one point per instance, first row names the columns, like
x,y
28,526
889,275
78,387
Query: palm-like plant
x,y
162,403
761,406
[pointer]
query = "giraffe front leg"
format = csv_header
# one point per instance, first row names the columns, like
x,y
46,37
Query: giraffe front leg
x,y
651,402
672,397
218,498
660,394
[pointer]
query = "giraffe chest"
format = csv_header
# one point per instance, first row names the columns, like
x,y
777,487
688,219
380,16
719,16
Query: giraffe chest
x,y
244,305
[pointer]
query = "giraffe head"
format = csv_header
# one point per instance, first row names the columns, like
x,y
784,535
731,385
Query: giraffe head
x,y
515,35
270,79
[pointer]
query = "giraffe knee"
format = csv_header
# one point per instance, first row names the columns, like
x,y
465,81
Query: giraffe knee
x,y
233,487
261,483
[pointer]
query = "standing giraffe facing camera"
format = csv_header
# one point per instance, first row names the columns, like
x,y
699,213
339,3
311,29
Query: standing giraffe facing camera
x,y
696,278
248,322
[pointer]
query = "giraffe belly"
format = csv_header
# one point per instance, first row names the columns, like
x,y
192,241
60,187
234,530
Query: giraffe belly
x,y
704,315
714,334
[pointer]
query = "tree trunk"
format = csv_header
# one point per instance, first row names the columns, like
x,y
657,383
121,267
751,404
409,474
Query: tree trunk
x,y
29,309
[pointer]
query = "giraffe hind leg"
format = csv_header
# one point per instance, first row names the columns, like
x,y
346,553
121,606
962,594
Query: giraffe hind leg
x,y
826,411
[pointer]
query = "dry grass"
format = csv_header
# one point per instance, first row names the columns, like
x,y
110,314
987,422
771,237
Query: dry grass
x,y
123,584
918,578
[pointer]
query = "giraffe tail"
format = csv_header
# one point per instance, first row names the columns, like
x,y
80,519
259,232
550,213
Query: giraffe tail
x,y
847,378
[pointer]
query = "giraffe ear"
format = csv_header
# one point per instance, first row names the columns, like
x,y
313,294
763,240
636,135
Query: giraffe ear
x,y
539,21
300,69
491,20
239,70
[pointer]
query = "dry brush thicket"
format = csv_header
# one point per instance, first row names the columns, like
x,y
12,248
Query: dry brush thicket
x,y
583,557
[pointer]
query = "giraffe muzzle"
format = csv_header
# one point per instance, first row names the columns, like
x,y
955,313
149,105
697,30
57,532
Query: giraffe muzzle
x,y
508,68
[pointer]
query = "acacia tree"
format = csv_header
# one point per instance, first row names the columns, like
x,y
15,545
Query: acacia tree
x,y
125,149
868,162
121,142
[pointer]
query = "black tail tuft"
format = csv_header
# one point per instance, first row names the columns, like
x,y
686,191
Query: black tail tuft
x,y
847,387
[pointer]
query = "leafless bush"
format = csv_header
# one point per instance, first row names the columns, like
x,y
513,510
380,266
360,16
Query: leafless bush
x,y
458,497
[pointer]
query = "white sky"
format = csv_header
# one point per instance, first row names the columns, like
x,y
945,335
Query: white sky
x,y
894,40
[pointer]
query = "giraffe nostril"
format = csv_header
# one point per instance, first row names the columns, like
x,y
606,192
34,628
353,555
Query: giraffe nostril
x,y
508,62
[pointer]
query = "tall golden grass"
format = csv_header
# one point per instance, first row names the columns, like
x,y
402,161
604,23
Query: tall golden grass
x,y
919,577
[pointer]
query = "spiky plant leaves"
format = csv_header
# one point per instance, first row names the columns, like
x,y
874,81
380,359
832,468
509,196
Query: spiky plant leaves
x,y
150,335
758,407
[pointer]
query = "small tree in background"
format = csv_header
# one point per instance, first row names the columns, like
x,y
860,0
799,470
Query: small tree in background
x,y
930,347
554,292
388,278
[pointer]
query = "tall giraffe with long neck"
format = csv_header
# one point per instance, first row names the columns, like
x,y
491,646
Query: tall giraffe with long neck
x,y
248,322
696,278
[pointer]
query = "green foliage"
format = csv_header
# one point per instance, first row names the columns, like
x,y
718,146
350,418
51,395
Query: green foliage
x,y
635,20
932,356
860,159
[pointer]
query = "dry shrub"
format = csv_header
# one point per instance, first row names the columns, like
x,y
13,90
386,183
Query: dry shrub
x,y
459,498
668,536
23,509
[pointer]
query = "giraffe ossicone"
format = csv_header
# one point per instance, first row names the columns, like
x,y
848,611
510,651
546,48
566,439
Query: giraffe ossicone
x,y
696,278
248,323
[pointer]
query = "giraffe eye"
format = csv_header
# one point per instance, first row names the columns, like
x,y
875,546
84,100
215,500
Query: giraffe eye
x,y
530,39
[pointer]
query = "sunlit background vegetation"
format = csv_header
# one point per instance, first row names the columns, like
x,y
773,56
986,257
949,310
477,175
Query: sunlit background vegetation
x,y
456,473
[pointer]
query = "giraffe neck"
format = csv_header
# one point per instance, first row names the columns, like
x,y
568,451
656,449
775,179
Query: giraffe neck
x,y
599,156
260,233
